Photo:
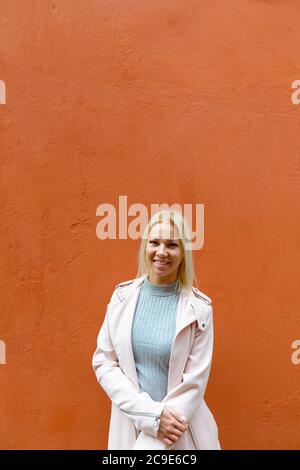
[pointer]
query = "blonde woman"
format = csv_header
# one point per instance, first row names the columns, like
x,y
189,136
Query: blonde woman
x,y
155,345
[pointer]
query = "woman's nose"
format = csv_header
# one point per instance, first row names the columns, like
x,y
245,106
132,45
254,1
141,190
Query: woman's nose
x,y
161,250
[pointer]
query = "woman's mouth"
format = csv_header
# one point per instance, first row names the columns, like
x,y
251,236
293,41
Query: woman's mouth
x,y
161,263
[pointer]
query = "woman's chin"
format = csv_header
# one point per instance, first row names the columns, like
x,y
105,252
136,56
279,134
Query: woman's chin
x,y
161,269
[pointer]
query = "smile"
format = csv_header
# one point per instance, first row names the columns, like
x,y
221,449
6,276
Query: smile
x,y
161,262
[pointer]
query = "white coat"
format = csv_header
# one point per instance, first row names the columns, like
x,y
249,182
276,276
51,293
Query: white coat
x,y
134,417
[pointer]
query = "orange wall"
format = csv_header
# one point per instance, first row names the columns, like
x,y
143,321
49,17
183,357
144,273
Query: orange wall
x,y
162,101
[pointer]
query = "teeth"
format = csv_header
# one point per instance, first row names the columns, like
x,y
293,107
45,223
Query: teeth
x,y
161,262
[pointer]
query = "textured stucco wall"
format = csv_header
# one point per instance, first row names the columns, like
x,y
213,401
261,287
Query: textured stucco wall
x,y
162,101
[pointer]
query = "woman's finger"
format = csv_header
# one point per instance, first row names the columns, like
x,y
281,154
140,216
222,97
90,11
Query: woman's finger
x,y
177,415
167,441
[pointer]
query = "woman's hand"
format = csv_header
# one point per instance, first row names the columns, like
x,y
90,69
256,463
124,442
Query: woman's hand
x,y
172,425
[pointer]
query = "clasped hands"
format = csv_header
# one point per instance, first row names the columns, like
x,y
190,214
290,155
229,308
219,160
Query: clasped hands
x,y
172,425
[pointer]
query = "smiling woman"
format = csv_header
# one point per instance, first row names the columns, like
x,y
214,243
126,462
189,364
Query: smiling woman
x,y
164,254
154,348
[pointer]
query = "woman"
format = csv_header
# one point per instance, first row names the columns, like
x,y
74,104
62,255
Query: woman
x,y
154,348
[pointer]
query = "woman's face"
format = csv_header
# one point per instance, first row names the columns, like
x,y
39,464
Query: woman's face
x,y
163,253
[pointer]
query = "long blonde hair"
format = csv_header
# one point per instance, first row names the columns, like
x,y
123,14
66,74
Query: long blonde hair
x,y
186,272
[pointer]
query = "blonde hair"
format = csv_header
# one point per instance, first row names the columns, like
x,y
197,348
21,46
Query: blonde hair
x,y
186,272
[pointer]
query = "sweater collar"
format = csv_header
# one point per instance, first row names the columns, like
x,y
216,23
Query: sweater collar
x,y
160,289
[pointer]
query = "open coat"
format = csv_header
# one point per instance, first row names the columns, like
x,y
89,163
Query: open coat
x,y
134,420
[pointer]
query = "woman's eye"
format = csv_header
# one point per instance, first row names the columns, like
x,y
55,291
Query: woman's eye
x,y
171,244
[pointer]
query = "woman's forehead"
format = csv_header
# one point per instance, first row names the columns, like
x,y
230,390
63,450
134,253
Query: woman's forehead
x,y
164,231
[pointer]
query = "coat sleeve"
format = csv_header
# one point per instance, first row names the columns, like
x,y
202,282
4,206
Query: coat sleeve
x,y
135,405
187,396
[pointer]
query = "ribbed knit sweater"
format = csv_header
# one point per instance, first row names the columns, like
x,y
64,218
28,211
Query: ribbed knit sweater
x,y
152,334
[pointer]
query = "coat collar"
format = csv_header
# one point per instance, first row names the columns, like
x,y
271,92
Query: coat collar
x,y
191,306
